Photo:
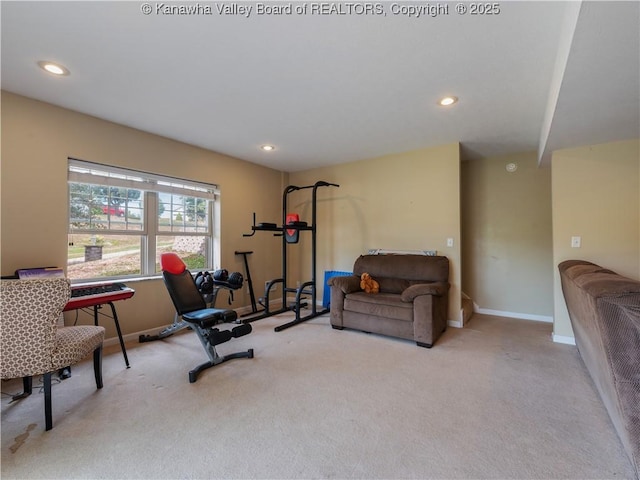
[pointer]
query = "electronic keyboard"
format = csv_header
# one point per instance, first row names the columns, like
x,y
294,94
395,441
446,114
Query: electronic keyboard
x,y
98,294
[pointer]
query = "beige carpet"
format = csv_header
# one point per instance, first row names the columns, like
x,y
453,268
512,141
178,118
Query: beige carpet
x,y
496,400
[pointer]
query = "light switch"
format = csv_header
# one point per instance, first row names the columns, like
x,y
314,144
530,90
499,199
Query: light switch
x,y
576,242
449,242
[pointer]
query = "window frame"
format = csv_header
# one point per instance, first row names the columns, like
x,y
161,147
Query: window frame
x,y
151,185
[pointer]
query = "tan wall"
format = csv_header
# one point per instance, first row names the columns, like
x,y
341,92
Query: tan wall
x,y
596,192
405,201
37,139
507,261
408,201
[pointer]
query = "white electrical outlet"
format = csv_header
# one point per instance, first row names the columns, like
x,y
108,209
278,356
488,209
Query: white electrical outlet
x,y
576,242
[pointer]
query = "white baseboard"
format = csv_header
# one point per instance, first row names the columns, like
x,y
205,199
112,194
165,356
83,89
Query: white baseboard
x,y
520,316
563,339
457,322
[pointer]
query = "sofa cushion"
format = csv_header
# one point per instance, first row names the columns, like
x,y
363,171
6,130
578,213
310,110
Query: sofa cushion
x,y
346,284
386,305
392,285
581,270
575,268
601,284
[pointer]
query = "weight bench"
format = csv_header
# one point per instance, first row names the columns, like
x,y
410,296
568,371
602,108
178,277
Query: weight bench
x,y
209,286
191,307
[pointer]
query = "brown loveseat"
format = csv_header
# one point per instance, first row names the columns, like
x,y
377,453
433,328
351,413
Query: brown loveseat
x,y
604,309
412,302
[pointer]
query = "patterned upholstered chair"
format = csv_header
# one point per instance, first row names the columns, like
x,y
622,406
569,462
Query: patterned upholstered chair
x,y
31,341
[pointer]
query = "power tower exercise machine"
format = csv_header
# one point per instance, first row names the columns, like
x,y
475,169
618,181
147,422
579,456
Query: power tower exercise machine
x,y
290,230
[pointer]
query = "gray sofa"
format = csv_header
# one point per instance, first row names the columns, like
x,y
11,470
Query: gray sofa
x,y
604,309
412,302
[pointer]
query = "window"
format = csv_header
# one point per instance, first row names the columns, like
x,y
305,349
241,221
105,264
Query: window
x,y
121,221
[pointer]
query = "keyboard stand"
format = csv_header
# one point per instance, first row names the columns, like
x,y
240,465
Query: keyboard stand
x,y
114,315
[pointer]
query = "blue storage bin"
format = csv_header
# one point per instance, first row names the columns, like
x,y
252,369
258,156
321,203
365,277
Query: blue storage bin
x,y
326,296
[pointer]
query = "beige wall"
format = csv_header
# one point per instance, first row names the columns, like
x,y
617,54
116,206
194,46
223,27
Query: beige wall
x,y
507,261
37,139
405,201
596,191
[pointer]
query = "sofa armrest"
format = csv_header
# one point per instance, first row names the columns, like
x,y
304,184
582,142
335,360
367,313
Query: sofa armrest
x,y
347,284
436,288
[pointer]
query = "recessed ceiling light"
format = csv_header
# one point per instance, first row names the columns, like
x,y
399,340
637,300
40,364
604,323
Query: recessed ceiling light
x,y
446,101
267,148
54,68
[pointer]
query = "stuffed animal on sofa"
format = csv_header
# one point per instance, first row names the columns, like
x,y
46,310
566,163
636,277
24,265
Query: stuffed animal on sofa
x,y
368,284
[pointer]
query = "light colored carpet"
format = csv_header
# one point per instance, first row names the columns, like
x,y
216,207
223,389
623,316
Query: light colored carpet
x,y
497,399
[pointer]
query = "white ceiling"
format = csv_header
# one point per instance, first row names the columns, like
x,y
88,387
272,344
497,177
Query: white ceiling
x,y
328,89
